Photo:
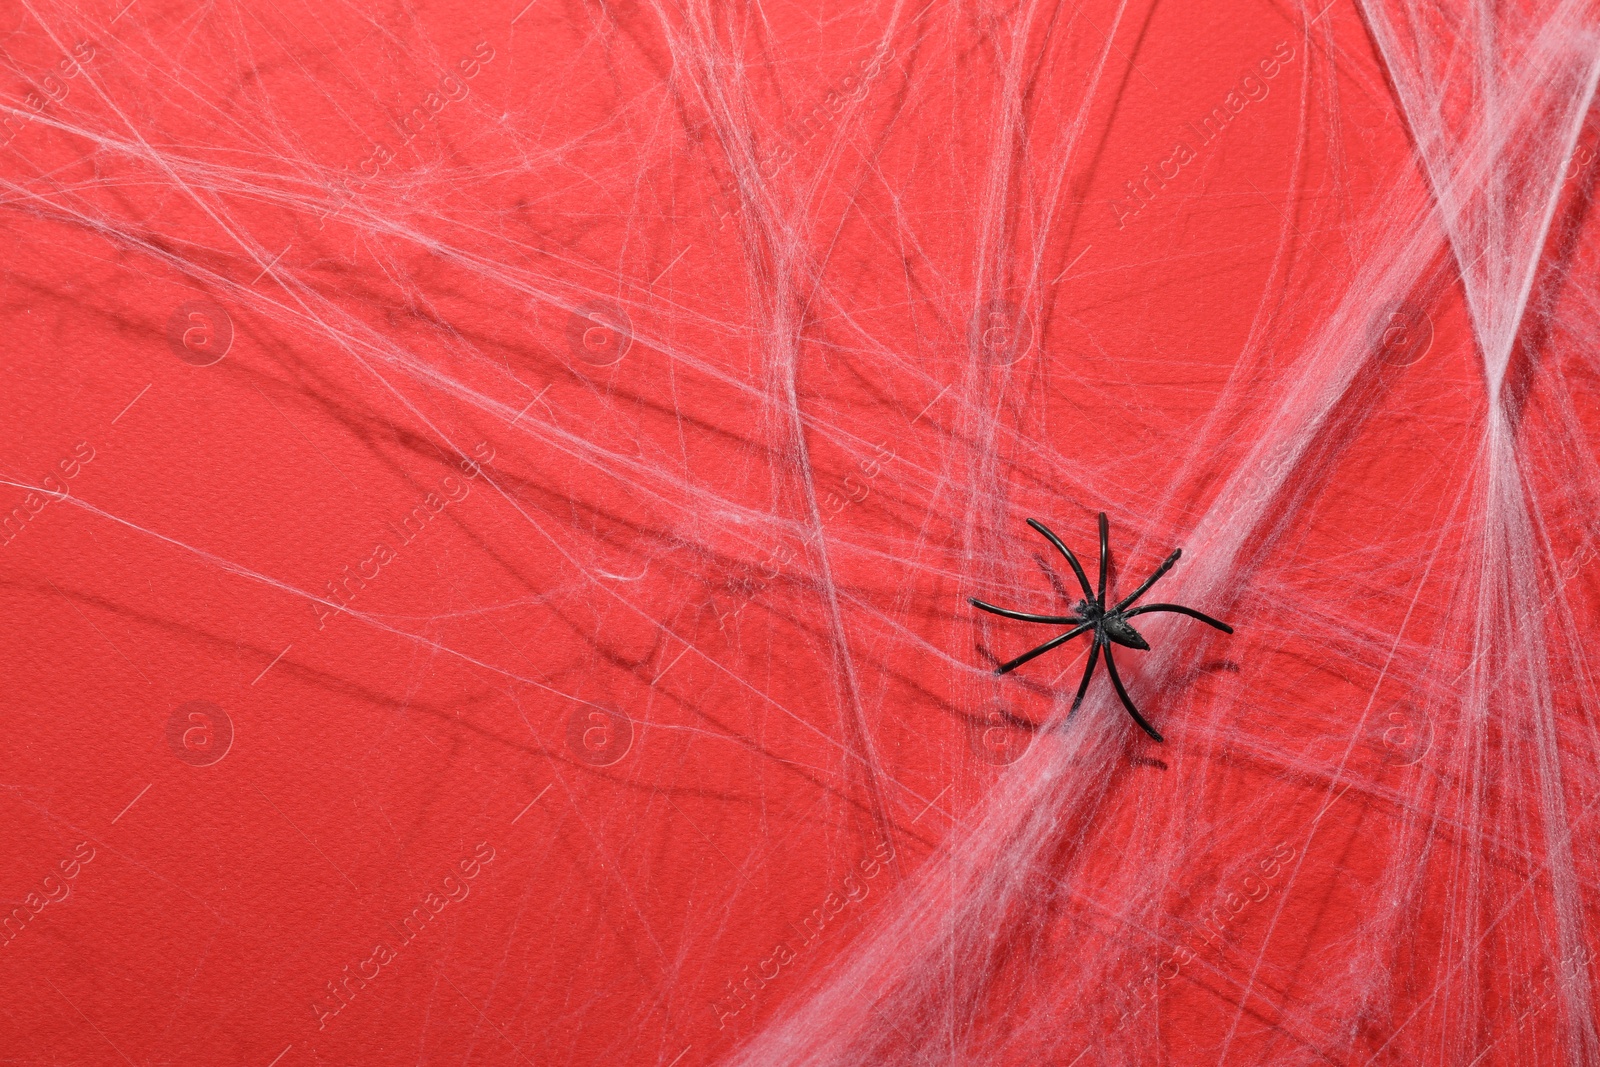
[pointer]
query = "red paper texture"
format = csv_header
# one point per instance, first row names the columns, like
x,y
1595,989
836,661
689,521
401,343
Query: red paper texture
x,y
491,493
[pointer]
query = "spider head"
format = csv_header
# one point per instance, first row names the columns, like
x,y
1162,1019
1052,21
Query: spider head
x,y
1088,610
1116,628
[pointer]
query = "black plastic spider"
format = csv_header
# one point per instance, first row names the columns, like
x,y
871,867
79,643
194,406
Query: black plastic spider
x,y
1109,626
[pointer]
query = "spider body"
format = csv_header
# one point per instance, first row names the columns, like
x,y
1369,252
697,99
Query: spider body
x,y
1108,625
1111,626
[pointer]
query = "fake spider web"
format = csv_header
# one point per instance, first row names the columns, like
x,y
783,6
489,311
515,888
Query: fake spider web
x,y
495,493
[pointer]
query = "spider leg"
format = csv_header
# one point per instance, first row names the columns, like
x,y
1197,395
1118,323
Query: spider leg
x,y
1181,610
1077,568
1088,672
1023,616
1059,639
1105,558
1127,702
1166,565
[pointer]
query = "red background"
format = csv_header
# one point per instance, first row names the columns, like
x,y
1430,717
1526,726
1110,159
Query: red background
x,y
614,663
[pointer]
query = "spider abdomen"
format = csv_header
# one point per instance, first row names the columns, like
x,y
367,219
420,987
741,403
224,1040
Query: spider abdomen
x,y
1118,630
